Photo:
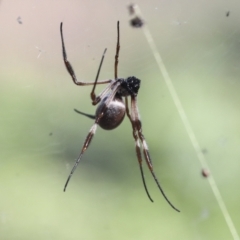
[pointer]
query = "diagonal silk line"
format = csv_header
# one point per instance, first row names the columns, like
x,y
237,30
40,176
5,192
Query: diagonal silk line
x,y
187,126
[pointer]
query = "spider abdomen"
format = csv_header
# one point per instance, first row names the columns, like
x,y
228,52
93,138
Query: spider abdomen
x,y
113,115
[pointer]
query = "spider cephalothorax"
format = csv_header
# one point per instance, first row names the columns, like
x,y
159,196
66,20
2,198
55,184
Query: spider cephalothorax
x,y
111,111
129,86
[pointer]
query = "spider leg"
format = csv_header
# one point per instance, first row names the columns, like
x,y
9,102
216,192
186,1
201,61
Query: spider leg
x,y
92,131
137,125
84,148
138,151
104,92
117,52
85,114
92,94
70,68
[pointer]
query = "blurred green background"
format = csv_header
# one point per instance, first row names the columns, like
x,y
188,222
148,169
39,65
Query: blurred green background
x,y
41,135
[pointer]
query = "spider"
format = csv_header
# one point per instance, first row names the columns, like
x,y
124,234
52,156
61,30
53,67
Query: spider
x,y
111,111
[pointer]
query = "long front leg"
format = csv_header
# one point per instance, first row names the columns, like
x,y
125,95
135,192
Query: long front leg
x,y
137,147
70,68
137,121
